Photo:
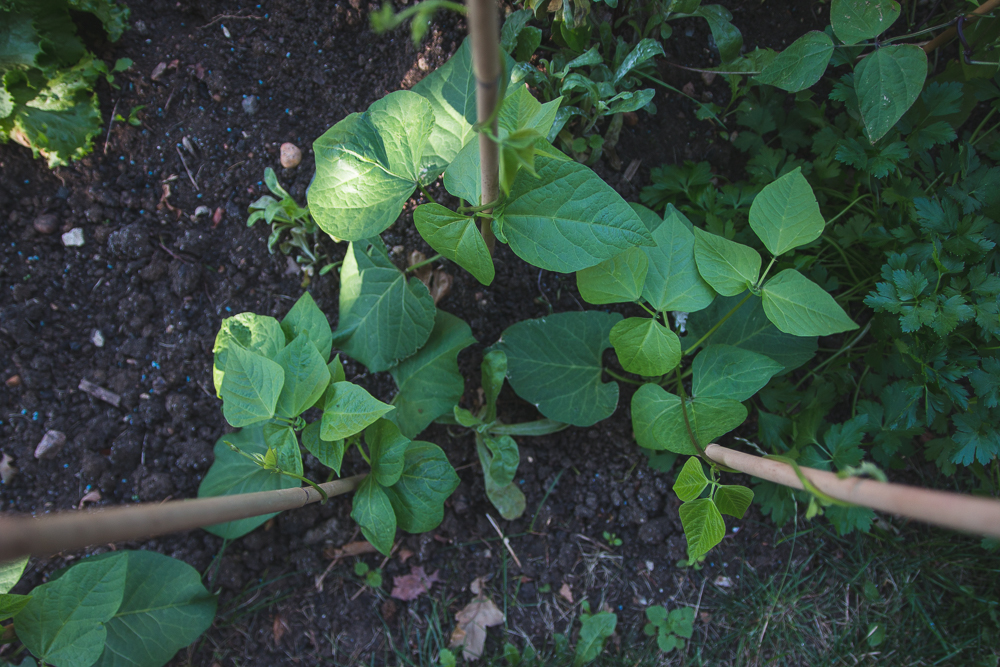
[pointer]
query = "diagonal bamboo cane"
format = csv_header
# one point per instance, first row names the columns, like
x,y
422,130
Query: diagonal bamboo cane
x,y
64,531
969,514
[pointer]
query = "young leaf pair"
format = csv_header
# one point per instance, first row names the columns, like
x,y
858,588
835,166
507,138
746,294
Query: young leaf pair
x,y
701,518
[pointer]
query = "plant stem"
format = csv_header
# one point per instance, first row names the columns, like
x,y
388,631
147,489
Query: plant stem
x,y
484,30
430,198
766,271
416,266
846,209
622,377
717,325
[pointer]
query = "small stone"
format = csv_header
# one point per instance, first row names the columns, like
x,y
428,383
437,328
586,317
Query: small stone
x,y
13,381
46,224
290,155
92,497
708,77
141,28
7,471
202,210
97,338
73,238
51,444
250,105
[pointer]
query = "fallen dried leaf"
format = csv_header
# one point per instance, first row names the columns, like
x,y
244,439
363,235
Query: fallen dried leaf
x,y
92,497
424,272
405,555
566,592
13,381
440,285
359,548
217,217
413,585
279,628
470,633
723,582
477,584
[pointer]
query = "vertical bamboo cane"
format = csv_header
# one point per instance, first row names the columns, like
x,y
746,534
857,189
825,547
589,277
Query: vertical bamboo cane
x,y
484,30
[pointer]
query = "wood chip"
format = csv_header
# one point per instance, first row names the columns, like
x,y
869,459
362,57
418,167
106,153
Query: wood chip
x,y
100,392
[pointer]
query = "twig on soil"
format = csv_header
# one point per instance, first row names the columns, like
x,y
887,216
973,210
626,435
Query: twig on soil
x,y
505,540
594,542
184,162
100,392
111,122
223,17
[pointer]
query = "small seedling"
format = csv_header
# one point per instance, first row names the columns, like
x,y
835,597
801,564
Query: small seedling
x,y
372,578
612,539
670,629
133,116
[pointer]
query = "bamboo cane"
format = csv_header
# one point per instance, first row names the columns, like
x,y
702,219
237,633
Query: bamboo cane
x,y
968,514
64,531
484,31
984,8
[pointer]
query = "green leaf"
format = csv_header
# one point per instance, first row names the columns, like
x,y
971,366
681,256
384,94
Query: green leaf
x,y
504,460
786,215
456,237
512,27
856,20
165,608
368,165
888,82
645,347
659,423
673,281
748,328
256,333
348,410
801,65
330,454
19,43
384,317
305,316
250,387
727,36
568,219
10,573
11,604
306,376
615,280
372,511
703,526
387,446
643,51
555,363
429,382
499,458
336,369
451,92
733,500
494,369
594,630
521,111
691,480
800,307
64,622
729,267
60,134
725,371
427,481
232,474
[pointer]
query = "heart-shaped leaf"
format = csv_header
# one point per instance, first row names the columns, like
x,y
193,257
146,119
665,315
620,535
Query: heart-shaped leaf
x,y
729,267
888,82
798,306
786,215
645,347
673,281
725,371
555,363
658,420
615,280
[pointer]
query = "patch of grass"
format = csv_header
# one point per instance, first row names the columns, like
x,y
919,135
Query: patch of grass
x,y
920,597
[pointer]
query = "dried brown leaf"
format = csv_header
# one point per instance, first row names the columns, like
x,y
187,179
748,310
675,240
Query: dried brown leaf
x,y
413,585
279,628
470,633
566,592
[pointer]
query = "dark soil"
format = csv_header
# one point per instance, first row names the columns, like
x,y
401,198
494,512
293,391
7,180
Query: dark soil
x,y
155,282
